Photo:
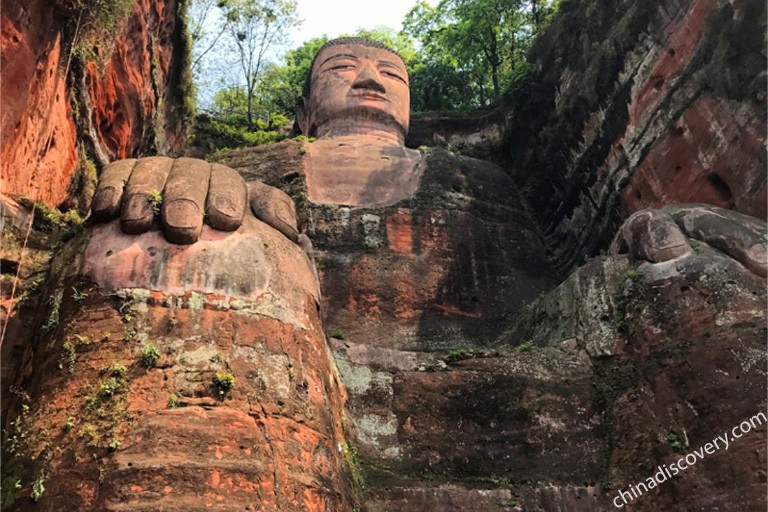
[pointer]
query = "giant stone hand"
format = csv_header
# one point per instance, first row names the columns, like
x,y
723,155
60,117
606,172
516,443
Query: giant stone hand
x,y
185,190
659,235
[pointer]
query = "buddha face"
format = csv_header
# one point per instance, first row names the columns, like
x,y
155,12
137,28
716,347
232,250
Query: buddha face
x,y
357,89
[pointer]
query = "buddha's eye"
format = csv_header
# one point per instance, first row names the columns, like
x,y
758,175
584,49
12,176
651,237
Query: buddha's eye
x,y
341,66
393,75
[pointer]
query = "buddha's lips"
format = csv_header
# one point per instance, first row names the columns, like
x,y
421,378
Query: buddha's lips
x,y
370,96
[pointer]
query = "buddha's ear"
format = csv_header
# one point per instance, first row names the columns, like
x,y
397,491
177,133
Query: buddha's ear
x,y
302,116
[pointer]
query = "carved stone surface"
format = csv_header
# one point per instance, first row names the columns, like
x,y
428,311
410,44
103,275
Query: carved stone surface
x,y
464,390
112,431
355,171
127,101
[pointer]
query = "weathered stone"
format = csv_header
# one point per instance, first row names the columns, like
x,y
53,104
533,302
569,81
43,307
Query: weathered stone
x,y
240,407
127,101
465,391
639,105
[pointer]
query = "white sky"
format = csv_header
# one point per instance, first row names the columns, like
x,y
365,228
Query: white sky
x,y
336,17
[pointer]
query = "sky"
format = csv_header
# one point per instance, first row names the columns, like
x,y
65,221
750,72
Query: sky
x,y
336,17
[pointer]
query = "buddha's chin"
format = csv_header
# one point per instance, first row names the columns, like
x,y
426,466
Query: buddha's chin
x,y
361,120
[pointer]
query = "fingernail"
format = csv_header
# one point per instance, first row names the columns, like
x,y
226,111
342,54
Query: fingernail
x,y
285,214
225,206
136,208
103,199
181,213
758,253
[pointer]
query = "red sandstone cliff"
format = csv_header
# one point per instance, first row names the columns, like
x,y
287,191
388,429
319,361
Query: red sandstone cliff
x,y
640,104
615,370
119,95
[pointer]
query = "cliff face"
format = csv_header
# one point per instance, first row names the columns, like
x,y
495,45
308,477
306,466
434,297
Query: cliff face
x,y
470,379
65,81
217,393
639,104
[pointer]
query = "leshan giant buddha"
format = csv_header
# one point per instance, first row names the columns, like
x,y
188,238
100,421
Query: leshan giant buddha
x,y
420,251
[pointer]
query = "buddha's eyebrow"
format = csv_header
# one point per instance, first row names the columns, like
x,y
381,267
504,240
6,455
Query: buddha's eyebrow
x,y
389,63
339,55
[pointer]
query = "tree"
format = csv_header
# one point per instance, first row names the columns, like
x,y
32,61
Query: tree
x,y
206,26
471,48
281,85
256,27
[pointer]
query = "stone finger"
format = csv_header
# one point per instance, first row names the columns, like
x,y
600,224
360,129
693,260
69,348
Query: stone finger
x,y
184,200
109,192
654,236
740,236
274,207
143,193
227,197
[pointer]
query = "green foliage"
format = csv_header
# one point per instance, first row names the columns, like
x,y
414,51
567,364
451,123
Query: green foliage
x,y
118,370
677,444
83,181
68,357
109,387
214,134
457,355
99,23
53,316
731,57
223,383
254,27
471,50
338,333
51,220
88,432
173,401
282,84
37,487
17,433
150,354
525,347
155,200
354,465
180,79
77,295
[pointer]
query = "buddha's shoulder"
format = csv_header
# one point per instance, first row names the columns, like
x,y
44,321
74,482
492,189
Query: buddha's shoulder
x,y
452,181
270,163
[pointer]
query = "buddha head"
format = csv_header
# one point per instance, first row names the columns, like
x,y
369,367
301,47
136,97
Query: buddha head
x,y
356,86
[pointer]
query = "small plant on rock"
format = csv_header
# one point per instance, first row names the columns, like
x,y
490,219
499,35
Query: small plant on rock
x,y
338,334
38,488
109,387
155,200
173,401
525,347
118,370
223,382
77,295
68,357
150,354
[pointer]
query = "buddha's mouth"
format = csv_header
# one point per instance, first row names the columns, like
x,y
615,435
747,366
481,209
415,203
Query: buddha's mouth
x,y
368,95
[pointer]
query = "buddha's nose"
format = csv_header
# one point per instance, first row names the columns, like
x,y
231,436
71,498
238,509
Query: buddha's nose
x,y
368,79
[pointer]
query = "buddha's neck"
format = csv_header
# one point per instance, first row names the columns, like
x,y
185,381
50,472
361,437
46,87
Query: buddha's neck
x,y
361,170
365,129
